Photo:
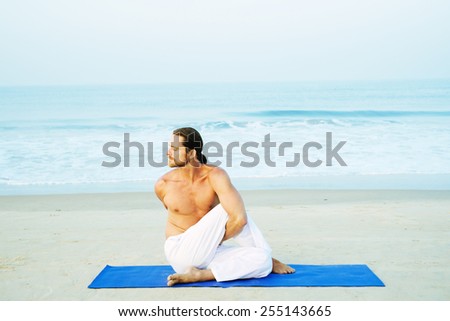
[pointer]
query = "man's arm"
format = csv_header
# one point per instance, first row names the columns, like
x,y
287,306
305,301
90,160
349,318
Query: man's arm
x,y
160,190
231,201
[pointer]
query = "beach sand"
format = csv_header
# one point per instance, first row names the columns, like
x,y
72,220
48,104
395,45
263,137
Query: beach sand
x,y
53,246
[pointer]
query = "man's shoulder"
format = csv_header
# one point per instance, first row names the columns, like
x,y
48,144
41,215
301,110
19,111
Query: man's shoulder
x,y
161,182
215,171
217,175
169,175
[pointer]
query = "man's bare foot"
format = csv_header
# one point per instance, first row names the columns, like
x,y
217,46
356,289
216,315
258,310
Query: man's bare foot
x,y
192,275
281,268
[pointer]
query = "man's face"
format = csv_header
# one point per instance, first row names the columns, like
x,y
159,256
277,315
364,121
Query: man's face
x,y
177,154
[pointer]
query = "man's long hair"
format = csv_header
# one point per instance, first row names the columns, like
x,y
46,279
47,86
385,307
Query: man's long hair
x,y
192,140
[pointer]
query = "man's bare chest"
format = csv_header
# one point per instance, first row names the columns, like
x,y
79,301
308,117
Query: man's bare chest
x,y
190,199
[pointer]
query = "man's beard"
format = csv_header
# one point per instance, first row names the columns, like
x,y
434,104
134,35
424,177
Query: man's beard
x,y
176,163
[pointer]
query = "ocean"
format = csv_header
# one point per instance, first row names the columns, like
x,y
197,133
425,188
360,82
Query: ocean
x,y
327,135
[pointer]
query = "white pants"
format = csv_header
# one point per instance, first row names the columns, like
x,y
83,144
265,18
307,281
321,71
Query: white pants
x,y
199,246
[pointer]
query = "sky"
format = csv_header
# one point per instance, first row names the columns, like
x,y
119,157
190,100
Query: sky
x,y
79,42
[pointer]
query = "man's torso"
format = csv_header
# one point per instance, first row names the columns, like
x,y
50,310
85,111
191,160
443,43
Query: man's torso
x,y
187,202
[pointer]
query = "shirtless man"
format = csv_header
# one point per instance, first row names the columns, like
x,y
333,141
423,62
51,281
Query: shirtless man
x,y
204,210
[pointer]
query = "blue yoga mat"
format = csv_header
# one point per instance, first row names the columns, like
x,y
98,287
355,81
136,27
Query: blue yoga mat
x,y
305,275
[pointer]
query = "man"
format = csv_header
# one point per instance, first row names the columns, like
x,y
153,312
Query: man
x,y
204,210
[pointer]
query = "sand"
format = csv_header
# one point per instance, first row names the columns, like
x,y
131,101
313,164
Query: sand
x,y
53,246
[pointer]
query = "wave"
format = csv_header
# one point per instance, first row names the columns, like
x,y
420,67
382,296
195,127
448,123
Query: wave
x,y
8,182
347,113
71,126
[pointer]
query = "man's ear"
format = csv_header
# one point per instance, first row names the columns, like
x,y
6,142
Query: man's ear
x,y
192,154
